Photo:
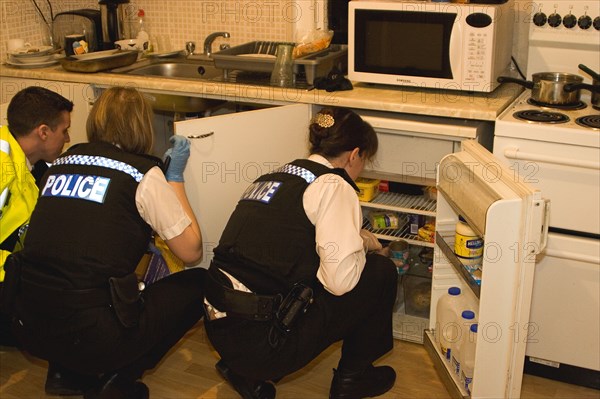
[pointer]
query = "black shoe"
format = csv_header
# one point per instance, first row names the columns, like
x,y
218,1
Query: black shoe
x,y
60,381
246,388
374,381
114,386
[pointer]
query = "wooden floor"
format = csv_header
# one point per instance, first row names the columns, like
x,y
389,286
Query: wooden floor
x,y
188,373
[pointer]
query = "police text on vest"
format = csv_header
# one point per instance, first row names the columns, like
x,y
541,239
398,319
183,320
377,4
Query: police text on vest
x,y
86,187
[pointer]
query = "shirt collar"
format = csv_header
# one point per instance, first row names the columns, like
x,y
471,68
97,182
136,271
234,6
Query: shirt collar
x,y
320,159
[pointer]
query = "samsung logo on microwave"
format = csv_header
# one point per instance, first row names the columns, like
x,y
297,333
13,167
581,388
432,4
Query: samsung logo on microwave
x,y
424,44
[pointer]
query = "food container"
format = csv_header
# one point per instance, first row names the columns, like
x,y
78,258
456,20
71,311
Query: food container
x,y
385,220
369,188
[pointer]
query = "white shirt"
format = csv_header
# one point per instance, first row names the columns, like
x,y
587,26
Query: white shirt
x,y
159,206
331,204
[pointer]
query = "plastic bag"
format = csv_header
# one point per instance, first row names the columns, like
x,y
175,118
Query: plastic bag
x,y
158,262
311,42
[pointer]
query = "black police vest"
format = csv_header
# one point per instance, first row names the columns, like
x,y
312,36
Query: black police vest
x,y
86,226
269,242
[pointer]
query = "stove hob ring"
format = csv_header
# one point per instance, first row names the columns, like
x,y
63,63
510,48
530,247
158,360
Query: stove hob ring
x,y
591,121
535,115
565,107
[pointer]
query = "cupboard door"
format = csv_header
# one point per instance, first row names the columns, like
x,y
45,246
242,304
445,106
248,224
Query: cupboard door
x,y
229,152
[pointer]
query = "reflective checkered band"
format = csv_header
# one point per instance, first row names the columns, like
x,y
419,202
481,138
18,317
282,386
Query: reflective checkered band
x,y
102,162
297,171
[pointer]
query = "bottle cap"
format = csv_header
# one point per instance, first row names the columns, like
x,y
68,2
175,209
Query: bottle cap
x,y
454,291
141,13
474,327
468,314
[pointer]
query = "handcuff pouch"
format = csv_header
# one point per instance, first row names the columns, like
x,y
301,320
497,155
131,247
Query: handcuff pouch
x,y
126,299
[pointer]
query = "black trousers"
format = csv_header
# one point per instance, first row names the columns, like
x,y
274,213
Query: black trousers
x,y
94,342
361,318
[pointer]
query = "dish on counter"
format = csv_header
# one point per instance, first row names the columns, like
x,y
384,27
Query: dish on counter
x,y
31,51
30,60
99,61
27,65
31,55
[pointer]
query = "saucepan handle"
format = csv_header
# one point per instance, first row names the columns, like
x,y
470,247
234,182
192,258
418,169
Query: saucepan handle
x,y
508,79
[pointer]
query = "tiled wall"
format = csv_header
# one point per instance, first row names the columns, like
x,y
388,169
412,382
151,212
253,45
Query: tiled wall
x,y
181,20
184,20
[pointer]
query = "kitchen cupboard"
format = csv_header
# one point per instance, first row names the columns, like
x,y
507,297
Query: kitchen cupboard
x,y
81,94
229,151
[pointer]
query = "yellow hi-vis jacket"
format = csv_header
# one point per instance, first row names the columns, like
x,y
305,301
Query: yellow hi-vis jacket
x,y
18,191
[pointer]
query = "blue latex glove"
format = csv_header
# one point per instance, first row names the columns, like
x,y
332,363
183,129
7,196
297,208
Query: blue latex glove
x,y
179,154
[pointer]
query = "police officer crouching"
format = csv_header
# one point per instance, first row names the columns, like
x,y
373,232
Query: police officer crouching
x,y
294,272
73,292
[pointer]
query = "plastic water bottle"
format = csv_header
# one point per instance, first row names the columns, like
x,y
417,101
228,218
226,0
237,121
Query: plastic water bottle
x,y
467,358
448,310
466,320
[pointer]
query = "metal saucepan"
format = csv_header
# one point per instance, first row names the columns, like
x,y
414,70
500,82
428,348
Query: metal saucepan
x,y
549,87
594,87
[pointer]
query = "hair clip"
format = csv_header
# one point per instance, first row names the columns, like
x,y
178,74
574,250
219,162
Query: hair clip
x,y
323,120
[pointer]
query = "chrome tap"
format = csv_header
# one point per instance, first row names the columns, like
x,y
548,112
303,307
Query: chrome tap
x,y
210,39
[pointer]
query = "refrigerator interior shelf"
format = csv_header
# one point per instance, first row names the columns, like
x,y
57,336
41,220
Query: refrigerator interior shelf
x,y
450,380
457,265
407,327
415,204
394,234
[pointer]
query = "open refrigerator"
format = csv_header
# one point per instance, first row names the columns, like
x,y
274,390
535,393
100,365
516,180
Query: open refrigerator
x,y
512,218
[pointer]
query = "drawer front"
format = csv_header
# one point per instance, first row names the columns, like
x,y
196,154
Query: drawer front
x,y
414,157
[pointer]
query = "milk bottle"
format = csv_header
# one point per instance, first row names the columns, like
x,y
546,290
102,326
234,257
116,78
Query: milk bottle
x,y
466,320
448,310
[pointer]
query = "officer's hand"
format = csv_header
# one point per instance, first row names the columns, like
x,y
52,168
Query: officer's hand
x,y
179,153
370,242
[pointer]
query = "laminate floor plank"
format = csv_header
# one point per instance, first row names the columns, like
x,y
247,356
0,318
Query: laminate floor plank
x,y
188,372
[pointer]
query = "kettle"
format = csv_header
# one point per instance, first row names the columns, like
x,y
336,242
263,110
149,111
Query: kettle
x,y
112,14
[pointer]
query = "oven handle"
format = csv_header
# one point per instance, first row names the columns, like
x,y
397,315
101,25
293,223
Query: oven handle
x,y
514,153
572,255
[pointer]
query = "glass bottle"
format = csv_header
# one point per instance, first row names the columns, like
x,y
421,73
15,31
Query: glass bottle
x,y
283,70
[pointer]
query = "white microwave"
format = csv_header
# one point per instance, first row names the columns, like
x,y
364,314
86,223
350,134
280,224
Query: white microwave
x,y
429,44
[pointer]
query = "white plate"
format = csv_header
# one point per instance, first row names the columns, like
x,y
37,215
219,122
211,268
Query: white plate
x,y
30,60
47,63
31,51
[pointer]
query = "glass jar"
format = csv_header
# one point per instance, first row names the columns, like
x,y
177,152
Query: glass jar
x,y
283,70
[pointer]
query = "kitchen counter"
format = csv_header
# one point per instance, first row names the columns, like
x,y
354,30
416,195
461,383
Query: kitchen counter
x,y
445,103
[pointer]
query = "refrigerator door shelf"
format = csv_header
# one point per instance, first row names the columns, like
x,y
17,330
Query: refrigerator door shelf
x,y
510,216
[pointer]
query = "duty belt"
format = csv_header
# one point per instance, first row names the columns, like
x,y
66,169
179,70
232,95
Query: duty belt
x,y
73,299
236,303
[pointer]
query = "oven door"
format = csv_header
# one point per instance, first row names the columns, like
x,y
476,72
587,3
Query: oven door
x,y
568,175
564,320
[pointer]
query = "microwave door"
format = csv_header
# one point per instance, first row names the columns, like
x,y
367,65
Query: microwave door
x,y
455,54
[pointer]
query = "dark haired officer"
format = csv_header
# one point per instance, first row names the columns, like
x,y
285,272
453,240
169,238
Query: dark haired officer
x,y
291,274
